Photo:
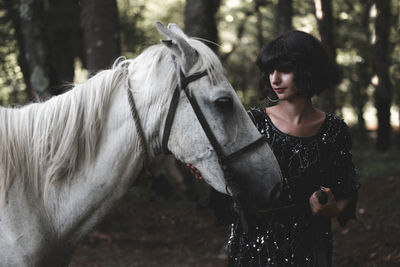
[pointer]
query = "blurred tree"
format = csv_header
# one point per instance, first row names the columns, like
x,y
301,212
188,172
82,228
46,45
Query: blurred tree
x,y
200,20
324,15
353,42
239,28
395,73
245,28
259,23
362,71
101,33
36,47
284,15
381,61
133,34
51,25
65,39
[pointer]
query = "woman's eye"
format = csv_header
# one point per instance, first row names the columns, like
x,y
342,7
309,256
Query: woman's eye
x,y
285,70
224,102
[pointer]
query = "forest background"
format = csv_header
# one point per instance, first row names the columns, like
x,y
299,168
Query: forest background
x,y
45,45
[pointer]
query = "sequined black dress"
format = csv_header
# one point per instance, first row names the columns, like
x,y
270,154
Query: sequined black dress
x,y
290,235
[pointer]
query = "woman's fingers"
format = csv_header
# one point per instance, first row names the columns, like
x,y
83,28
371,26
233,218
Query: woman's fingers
x,y
329,209
314,204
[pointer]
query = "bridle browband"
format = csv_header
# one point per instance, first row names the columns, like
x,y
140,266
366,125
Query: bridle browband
x,y
232,187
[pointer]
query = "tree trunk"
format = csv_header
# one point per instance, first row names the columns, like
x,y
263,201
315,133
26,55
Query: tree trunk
x,y
283,18
31,14
259,24
101,33
63,30
326,100
200,20
383,90
363,69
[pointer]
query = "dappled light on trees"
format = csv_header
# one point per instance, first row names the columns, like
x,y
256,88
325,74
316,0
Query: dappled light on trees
x,y
239,27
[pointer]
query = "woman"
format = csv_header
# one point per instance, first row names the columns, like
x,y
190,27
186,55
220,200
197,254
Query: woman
x,y
313,150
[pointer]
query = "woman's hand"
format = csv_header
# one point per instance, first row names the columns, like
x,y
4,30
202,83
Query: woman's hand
x,y
330,209
195,171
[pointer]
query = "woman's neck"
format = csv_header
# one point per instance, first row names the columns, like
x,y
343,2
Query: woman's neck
x,y
297,109
297,117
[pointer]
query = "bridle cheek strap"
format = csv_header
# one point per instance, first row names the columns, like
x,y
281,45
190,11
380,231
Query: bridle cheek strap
x,y
174,104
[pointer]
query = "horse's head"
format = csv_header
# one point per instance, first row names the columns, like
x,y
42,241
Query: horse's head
x,y
210,129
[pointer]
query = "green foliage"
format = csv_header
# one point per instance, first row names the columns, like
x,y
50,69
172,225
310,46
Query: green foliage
x,y
138,18
131,17
353,53
11,79
239,29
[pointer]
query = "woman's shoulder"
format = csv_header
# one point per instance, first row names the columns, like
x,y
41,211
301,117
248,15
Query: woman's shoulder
x,y
335,121
336,129
256,114
260,119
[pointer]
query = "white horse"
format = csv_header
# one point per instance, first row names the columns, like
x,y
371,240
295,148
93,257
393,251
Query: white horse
x,y
65,162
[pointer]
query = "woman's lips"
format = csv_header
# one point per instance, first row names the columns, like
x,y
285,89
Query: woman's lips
x,y
279,90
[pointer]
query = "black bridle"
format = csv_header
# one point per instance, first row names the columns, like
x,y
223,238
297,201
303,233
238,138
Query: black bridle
x,y
224,160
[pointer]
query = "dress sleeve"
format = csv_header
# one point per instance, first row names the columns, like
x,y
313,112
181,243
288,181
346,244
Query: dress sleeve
x,y
343,181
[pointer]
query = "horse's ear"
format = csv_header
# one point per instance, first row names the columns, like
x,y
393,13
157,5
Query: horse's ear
x,y
178,45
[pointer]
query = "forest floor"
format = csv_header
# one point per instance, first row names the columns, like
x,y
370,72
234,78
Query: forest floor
x,y
182,234
172,233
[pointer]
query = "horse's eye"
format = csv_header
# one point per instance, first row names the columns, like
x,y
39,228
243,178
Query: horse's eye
x,y
224,102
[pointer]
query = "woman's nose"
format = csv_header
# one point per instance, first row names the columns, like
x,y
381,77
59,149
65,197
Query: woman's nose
x,y
275,77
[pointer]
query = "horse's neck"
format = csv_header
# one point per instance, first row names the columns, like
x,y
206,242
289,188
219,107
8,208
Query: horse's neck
x,y
119,160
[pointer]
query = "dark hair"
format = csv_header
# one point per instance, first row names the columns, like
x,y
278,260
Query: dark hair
x,y
303,54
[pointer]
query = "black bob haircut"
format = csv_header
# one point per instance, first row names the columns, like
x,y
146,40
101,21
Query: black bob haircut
x,y
302,54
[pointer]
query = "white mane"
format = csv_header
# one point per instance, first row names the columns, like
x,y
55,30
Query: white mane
x,y
46,142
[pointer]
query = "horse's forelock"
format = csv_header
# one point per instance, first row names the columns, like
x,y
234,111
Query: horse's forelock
x,y
208,60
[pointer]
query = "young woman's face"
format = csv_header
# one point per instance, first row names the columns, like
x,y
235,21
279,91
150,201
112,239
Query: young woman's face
x,y
282,82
